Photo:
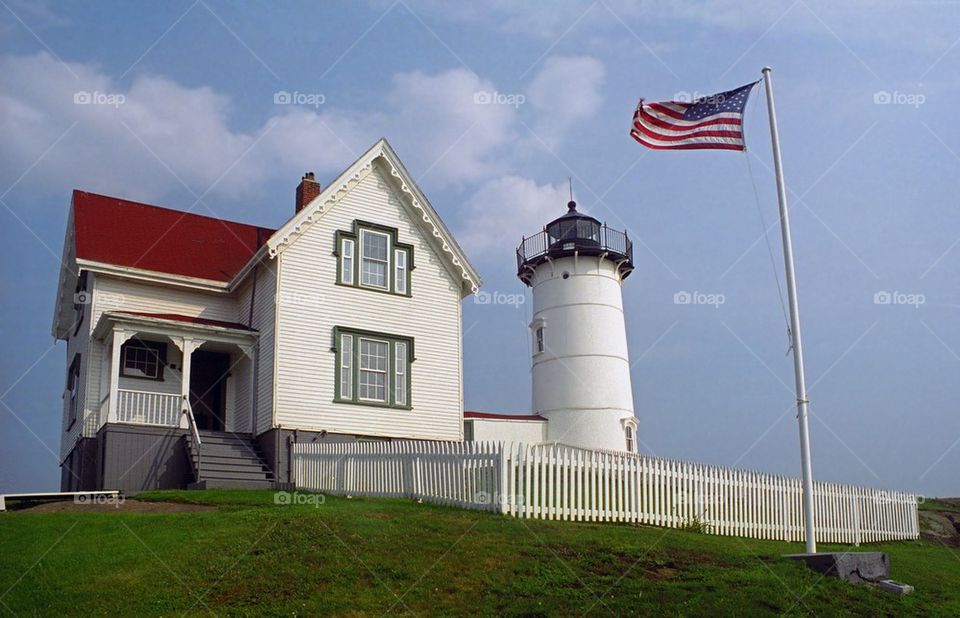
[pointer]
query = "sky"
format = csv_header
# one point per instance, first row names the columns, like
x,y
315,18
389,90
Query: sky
x,y
220,107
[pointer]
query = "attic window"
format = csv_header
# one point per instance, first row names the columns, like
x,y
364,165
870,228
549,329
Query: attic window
x,y
371,257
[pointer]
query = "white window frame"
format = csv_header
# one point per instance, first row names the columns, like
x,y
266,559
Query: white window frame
x,y
630,434
346,366
347,258
400,271
134,344
385,371
387,262
400,373
538,336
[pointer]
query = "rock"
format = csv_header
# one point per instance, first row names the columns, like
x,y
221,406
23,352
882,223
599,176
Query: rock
x,y
853,567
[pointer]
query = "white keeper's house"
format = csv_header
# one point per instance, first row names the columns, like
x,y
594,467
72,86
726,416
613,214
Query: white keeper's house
x,y
199,350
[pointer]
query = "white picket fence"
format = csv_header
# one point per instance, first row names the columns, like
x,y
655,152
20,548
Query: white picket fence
x,y
555,481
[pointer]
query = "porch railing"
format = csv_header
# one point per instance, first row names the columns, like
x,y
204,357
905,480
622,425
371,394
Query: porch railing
x,y
193,438
147,408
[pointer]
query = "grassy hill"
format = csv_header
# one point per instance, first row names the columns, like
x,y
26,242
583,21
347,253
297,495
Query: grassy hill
x,y
364,556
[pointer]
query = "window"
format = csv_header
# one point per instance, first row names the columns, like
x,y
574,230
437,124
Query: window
x,y
346,263
73,387
538,345
400,371
383,264
81,298
346,366
374,262
629,432
400,271
143,359
373,368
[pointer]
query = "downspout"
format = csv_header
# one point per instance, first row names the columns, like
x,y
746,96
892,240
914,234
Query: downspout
x,y
255,365
291,440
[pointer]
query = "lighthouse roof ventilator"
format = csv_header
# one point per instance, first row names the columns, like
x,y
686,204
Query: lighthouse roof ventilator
x,y
580,364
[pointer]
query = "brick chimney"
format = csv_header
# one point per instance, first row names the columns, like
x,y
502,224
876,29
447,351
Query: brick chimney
x,y
307,190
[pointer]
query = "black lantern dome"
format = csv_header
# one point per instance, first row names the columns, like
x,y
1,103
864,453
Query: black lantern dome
x,y
574,234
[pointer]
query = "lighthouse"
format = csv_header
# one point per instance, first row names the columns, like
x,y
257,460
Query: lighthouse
x,y
580,365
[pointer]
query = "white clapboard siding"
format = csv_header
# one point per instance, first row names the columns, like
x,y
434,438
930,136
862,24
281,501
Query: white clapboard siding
x,y
311,304
555,481
114,294
263,319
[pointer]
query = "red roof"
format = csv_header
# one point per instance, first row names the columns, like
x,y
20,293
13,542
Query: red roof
x,y
191,319
504,417
125,233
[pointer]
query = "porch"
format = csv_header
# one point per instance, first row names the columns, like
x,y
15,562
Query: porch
x,y
176,371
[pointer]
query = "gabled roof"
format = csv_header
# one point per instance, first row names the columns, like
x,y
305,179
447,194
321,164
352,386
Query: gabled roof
x,y
425,215
120,232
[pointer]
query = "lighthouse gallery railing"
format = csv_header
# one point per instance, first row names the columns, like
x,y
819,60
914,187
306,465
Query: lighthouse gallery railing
x,y
610,240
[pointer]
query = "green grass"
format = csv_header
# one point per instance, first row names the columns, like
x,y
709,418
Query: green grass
x,y
940,504
366,556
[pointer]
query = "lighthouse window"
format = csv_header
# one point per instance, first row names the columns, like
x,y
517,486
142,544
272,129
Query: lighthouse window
x,y
373,368
372,257
539,346
629,438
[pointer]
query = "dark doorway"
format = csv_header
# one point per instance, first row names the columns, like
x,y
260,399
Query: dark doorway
x,y
208,396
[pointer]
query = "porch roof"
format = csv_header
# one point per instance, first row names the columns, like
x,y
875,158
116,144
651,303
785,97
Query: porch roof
x,y
165,322
176,317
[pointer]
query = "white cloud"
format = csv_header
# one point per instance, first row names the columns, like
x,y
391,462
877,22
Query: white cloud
x,y
164,133
455,136
566,91
147,139
158,134
508,203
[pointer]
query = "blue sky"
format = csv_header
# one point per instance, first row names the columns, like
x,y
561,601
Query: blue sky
x,y
187,118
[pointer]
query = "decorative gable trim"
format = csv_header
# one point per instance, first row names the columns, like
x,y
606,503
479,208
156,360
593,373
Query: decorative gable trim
x,y
328,198
437,231
314,211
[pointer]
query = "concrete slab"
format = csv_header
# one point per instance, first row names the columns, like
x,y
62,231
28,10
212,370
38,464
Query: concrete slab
x,y
853,567
895,587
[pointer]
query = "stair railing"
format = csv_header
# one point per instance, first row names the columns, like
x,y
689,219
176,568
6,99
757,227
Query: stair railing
x,y
193,436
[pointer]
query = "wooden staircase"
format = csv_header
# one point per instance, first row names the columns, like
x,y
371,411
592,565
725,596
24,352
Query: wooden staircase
x,y
228,460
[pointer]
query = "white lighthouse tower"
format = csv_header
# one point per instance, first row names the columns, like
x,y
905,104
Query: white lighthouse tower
x,y
581,368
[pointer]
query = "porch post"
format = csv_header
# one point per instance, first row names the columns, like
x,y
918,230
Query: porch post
x,y
187,346
248,351
119,338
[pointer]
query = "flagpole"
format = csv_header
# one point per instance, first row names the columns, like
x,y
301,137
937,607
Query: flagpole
x,y
801,385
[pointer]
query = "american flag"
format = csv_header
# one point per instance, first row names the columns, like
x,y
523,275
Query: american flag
x,y
708,122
